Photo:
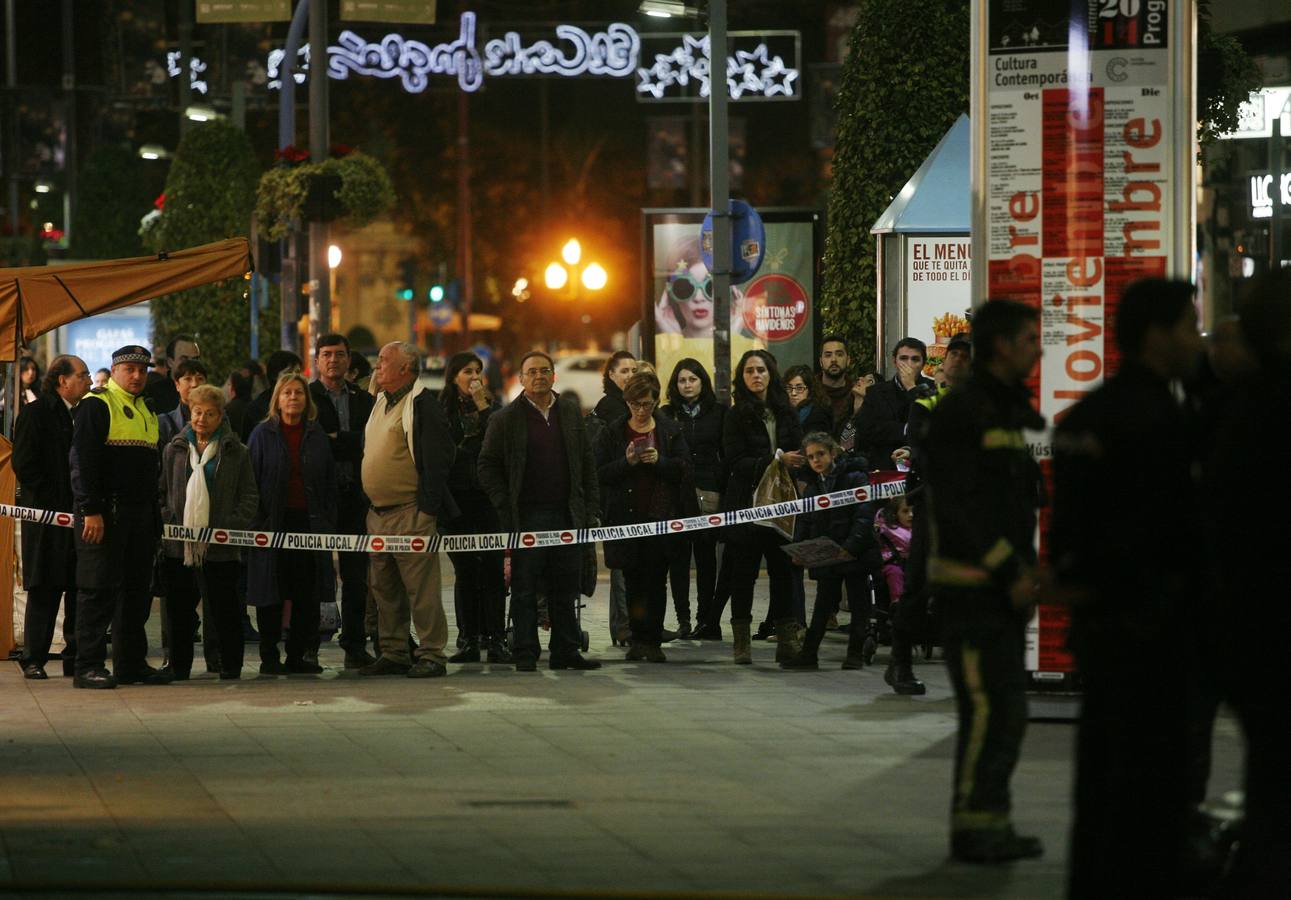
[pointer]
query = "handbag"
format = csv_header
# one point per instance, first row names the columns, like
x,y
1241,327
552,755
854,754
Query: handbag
x,y
709,501
776,486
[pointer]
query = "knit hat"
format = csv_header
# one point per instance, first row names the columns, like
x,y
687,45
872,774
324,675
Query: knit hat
x,y
131,353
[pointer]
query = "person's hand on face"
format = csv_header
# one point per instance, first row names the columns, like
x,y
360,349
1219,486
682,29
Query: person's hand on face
x,y
909,365
861,385
470,383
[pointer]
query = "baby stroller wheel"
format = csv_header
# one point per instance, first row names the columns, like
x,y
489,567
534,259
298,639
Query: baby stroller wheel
x,y
868,649
587,641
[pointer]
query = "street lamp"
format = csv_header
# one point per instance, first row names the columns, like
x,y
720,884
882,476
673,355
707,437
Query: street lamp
x,y
333,262
559,276
595,277
556,276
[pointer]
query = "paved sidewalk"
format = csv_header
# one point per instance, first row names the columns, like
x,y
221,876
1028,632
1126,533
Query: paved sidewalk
x,y
692,776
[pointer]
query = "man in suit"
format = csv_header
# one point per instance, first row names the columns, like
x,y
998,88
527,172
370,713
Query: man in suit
x,y
536,465
41,443
343,412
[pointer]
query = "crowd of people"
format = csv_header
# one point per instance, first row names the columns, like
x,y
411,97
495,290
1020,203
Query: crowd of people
x,y
955,560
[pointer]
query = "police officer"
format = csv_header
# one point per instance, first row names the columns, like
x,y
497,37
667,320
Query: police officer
x,y
983,489
910,612
115,466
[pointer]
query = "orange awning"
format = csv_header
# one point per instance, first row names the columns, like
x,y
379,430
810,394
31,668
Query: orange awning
x,y
44,297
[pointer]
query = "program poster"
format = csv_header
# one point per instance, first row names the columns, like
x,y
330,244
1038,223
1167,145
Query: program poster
x,y
1074,196
774,310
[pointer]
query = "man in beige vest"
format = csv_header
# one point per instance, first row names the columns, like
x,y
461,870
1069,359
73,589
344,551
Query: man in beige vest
x,y
408,452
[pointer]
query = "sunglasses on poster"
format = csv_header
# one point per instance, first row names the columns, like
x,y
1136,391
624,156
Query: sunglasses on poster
x,y
682,287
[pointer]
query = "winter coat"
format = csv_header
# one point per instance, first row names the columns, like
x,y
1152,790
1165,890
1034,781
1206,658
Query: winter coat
x,y
347,446
851,527
673,496
881,422
703,433
503,456
815,418
42,440
234,498
171,423
269,462
467,426
748,452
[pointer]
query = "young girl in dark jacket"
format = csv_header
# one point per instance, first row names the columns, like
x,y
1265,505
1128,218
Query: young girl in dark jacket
x,y
760,428
479,591
852,528
644,464
694,407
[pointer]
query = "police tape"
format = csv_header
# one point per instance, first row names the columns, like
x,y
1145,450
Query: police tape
x,y
882,489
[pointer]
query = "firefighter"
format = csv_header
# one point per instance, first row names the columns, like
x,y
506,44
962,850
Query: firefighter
x,y
983,491
115,466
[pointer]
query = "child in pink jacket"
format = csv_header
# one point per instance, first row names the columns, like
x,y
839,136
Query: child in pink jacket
x,y
893,525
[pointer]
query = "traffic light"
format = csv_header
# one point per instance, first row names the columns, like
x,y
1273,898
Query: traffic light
x,y
436,293
407,279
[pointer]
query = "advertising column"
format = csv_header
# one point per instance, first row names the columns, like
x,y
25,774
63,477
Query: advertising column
x,y
1081,184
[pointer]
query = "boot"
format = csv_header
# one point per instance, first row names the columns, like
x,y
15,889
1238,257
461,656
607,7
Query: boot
x,y
788,641
470,652
743,643
637,652
654,653
803,660
900,676
765,631
855,658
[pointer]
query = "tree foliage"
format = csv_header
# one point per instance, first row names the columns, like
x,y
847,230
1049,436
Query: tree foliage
x,y
115,190
209,196
1226,77
905,81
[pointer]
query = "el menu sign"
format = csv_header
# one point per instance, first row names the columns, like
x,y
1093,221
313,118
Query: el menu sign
x,y
1079,178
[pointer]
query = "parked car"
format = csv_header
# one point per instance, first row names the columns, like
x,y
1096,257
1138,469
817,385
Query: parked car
x,y
578,374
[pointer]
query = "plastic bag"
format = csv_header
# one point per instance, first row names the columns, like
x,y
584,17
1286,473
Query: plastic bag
x,y
776,486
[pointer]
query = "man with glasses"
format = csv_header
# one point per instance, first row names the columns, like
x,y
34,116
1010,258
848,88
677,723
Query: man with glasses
x,y
881,423
536,465
42,440
163,392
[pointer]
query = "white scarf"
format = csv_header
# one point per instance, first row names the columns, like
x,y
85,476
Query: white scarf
x,y
197,500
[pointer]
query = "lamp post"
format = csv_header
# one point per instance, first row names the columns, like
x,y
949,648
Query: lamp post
x,y
568,274
333,263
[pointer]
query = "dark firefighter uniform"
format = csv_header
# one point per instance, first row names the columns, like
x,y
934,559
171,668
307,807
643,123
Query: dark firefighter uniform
x,y
1137,607
983,489
115,466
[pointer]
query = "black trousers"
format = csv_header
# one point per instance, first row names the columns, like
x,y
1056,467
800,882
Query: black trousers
x,y
296,572
647,590
225,609
479,594
558,571
749,550
1133,769
702,546
114,580
829,594
351,518
985,646
184,596
41,617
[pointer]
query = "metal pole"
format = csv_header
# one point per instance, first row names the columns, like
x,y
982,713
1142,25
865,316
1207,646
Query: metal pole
x,y
976,165
69,91
257,287
320,304
11,103
1275,192
464,207
185,64
1183,74
719,181
289,284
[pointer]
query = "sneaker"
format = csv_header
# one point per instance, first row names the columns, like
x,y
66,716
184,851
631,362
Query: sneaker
x,y
427,668
385,666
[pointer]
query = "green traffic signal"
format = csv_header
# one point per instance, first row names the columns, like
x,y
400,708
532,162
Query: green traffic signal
x,y
436,293
404,294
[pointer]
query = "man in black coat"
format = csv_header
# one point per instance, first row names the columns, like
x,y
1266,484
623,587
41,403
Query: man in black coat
x,y
41,444
1135,597
537,467
163,393
881,423
343,412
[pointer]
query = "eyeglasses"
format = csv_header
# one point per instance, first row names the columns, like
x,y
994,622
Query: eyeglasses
x,y
797,389
641,404
533,373
682,287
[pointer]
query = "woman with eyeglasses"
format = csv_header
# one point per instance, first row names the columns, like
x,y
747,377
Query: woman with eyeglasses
x,y
760,428
808,399
694,407
644,464
685,305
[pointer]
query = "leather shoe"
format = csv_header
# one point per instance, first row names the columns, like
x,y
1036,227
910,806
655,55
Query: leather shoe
x,y
427,668
230,676
576,662
303,667
470,653
526,664
995,845
802,662
358,659
34,672
498,653
95,679
385,666
706,632
148,675
272,667
667,637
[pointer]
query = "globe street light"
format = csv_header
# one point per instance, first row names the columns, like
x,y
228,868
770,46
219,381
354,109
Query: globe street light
x,y
591,276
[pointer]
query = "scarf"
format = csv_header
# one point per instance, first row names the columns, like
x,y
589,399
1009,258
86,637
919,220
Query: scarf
x,y
197,495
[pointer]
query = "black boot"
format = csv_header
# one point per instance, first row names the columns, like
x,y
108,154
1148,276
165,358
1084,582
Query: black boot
x,y
470,652
705,632
900,671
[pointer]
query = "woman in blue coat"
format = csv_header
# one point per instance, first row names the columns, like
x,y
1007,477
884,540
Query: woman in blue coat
x,y
296,475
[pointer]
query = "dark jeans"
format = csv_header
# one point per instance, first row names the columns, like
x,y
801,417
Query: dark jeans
x,y
748,551
224,611
183,595
351,518
829,594
647,590
41,617
558,571
114,580
1133,769
479,594
703,547
295,586
985,643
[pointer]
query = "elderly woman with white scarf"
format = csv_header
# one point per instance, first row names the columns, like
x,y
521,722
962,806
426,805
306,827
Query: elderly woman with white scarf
x,y
206,482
